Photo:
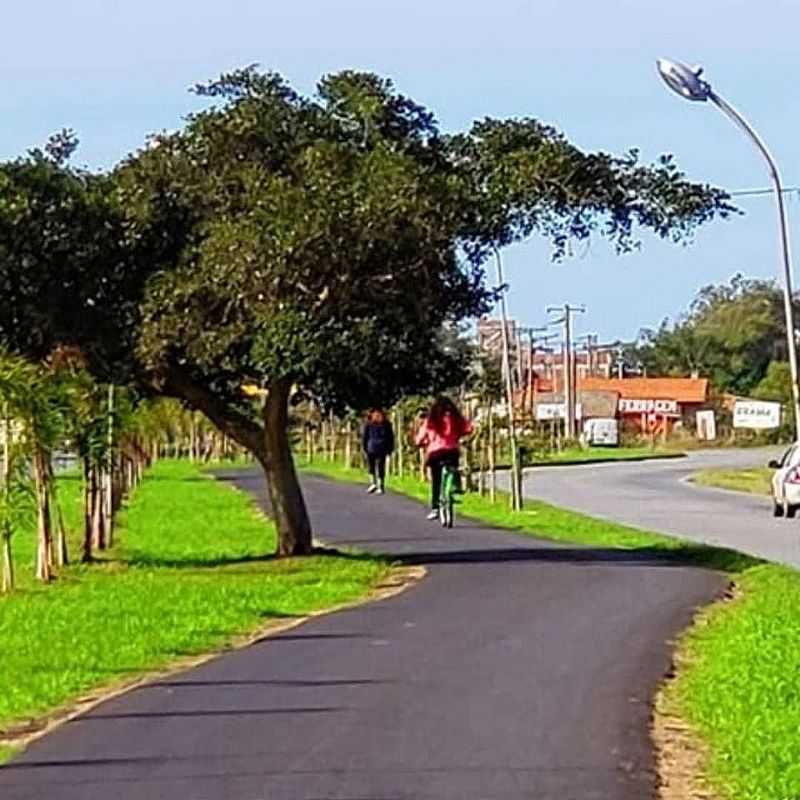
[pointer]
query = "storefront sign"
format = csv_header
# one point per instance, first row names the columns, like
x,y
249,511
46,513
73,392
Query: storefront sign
x,y
548,411
756,414
629,405
706,425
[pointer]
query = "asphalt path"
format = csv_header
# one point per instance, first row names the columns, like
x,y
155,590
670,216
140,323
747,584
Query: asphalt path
x,y
658,496
515,669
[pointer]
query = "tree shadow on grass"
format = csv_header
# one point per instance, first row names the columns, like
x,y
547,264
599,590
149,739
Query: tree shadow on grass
x,y
196,563
218,562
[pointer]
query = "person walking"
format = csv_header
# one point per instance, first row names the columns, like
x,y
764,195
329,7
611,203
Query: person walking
x,y
378,443
439,435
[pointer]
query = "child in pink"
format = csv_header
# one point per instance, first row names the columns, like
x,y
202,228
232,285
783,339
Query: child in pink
x,y
440,433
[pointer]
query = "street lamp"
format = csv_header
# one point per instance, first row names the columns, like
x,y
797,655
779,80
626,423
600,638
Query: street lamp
x,y
686,82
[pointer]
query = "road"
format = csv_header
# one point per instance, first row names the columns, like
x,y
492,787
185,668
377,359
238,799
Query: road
x,y
656,495
515,669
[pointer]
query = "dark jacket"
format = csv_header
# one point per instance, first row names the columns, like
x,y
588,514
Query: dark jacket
x,y
378,438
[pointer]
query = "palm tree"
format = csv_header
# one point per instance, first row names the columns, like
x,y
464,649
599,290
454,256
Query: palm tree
x,y
17,381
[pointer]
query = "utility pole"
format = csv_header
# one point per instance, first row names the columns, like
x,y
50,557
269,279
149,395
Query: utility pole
x,y
569,388
526,378
518,348
516,471
590,344
533,342
620,361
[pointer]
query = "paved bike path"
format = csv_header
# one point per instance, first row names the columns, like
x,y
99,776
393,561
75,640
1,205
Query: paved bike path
x,y
516,669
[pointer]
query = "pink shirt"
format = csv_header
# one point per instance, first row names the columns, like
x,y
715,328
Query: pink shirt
x,y
435,442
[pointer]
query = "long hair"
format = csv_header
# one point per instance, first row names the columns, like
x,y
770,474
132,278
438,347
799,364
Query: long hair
x,y
376,416
443,407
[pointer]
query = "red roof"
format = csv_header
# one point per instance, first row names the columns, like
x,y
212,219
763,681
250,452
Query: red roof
x,y
682,390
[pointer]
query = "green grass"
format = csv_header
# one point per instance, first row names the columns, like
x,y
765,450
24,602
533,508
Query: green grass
x,y
588,455
738,684
752,481
7,752
191,571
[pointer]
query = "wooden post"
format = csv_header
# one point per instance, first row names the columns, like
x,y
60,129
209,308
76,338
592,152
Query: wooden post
x,y
491,457
348,445
480,445
399,435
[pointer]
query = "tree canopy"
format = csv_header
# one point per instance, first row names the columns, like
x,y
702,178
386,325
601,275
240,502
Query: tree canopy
x,y
311,245
731,334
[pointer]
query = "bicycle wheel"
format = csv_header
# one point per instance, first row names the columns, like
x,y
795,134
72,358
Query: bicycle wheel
x,y
446,513
446,500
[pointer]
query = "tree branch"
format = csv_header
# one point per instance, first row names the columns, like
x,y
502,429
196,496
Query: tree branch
x,y
178,383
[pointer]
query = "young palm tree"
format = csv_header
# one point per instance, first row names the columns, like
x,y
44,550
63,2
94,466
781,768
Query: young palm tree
x,y
17,381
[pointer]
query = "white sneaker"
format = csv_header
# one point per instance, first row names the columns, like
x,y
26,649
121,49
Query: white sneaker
x,y
434,514
372,488
381,490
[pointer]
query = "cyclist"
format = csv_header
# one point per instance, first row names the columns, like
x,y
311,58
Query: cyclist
x,y
439,434
378,443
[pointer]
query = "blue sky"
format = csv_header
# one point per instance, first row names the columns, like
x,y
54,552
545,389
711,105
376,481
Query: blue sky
x,y
117,71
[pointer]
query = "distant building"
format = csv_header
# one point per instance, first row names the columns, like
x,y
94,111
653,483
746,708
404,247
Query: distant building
x,y
490,335
653,404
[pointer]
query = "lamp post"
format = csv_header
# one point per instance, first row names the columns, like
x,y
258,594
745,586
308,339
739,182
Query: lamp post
x,y
686,82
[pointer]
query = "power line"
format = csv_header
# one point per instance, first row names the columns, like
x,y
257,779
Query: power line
x,y
755,192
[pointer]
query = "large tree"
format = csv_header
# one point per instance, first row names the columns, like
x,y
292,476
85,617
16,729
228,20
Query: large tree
x,y
315,246
731,333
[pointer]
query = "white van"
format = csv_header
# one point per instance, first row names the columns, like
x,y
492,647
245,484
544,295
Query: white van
x,y
602,432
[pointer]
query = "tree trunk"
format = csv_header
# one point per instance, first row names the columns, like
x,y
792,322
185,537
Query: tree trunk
x,y
98,518
8,562
192,438
288,507
62,553
87,512
44,549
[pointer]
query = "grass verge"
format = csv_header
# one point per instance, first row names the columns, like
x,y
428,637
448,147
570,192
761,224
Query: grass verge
x,y
752,481
7,752
190,574
549,522
599,455
738,668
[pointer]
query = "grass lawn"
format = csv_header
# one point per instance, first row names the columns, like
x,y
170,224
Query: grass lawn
x,y
752,481
191,571
738,685
588,455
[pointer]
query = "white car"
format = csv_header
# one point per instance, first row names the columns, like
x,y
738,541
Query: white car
x,y
786,483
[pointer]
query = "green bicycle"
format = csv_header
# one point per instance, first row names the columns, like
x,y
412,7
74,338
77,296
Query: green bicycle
x,y
451,488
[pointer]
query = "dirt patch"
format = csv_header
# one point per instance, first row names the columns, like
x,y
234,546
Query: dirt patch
x,y
680,757
17,736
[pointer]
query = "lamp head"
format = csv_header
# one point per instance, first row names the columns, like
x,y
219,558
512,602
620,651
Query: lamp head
x,y
683,80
